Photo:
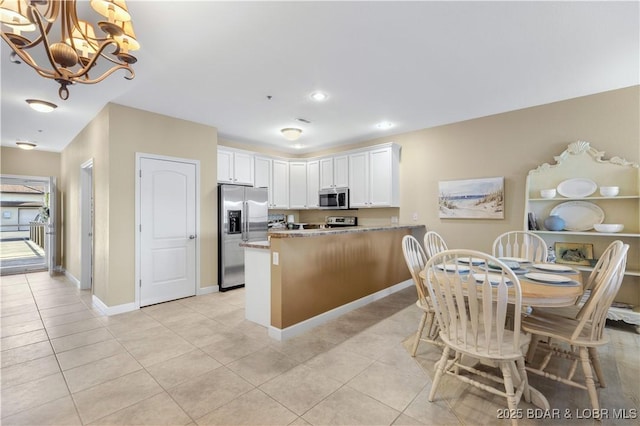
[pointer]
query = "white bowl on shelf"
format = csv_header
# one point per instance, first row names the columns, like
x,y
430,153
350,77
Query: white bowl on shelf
x,y
548,193
608,227
609,191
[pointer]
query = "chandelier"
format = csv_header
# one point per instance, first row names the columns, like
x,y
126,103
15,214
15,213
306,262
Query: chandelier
x,y
27,24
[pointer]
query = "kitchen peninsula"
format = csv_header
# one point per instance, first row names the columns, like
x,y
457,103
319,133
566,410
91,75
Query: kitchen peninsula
x,y
303,278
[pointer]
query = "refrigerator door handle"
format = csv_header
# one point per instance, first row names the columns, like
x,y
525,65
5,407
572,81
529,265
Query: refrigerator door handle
x,y
245,221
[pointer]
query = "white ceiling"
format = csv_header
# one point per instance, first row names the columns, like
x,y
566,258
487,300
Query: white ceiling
x,y
416,64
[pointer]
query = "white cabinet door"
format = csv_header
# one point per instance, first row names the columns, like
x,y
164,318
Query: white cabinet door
x,y
334,172
298,185
341,171
326,173
242,168
313,183
262,172
280,182
359,179
235,167
381,179
225,166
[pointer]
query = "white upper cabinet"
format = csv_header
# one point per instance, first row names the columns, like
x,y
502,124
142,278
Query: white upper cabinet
x,y
334,172
313,183
262,173
235,167
280,184
297,184
374,177
371,174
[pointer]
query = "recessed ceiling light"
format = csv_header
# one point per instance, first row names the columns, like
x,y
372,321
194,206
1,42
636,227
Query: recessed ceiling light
x,y
41,106
319,96
291,133
384,125
297,146
26,145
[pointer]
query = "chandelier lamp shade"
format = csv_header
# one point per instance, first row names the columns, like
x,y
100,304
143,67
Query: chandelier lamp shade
x,y
68,45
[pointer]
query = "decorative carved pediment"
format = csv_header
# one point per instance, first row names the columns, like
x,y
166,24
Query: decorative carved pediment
x,y
583,147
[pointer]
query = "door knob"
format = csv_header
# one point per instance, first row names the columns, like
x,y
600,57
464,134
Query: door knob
x,y
192,237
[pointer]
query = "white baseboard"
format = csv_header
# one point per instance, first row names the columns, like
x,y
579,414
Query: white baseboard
x,y
70,276
207,290
306,325
113,310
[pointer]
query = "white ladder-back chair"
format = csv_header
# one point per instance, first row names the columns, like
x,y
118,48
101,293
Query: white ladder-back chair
x,y
520,244
595,277
416,260
471,311
433,243
576,339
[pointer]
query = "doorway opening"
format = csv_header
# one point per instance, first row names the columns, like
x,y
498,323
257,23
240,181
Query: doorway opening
x,y
26,223
86,225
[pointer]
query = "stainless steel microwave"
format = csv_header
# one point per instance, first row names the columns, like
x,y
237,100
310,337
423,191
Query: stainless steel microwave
x,y
334,198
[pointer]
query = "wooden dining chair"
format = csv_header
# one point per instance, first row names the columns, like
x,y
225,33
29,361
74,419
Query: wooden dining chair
x,y
416,260
595,277
522,244
577,339
471,311
433,243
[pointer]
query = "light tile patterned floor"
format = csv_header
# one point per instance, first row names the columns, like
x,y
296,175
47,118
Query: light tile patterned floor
x,y
197,361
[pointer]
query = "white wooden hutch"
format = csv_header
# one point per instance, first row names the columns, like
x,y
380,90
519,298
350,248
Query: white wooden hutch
x,y
580,160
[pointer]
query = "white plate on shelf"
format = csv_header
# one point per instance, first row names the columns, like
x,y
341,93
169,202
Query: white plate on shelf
x,y
577,188
452,268
579,215
547,278
552,267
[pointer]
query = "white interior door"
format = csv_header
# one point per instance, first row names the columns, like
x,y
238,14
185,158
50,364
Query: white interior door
x,y
167,230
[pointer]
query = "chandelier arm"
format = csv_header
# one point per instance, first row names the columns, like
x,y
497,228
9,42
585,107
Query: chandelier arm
x,y
29,60
47,49
85,69
108,73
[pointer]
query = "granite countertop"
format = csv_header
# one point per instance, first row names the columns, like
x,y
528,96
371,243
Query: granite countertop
x,y
257,244
285,233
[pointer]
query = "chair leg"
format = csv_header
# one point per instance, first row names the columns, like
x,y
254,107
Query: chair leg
x,y
588,378
595,360
526,391
509,390
423,321
442,365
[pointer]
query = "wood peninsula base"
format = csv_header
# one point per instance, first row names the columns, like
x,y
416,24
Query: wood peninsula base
x,y
319,275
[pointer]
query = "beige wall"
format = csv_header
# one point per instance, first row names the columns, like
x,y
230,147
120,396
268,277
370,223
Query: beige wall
x,y
116,135
92,143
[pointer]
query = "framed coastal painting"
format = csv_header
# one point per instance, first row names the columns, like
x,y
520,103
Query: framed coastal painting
x,y
471,198
574,253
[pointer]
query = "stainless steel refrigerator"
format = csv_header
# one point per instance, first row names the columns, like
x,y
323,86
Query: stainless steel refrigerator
x,y
242,217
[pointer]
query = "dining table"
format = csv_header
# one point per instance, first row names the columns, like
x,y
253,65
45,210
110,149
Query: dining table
x,y
542,284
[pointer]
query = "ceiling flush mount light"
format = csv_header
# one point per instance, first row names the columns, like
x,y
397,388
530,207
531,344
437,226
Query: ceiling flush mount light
x,y
77,49
41,106
25,145
319,96
291,133
384,125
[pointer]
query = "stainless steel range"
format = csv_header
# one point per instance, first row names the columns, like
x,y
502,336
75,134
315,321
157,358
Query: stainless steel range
x,y
340,221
